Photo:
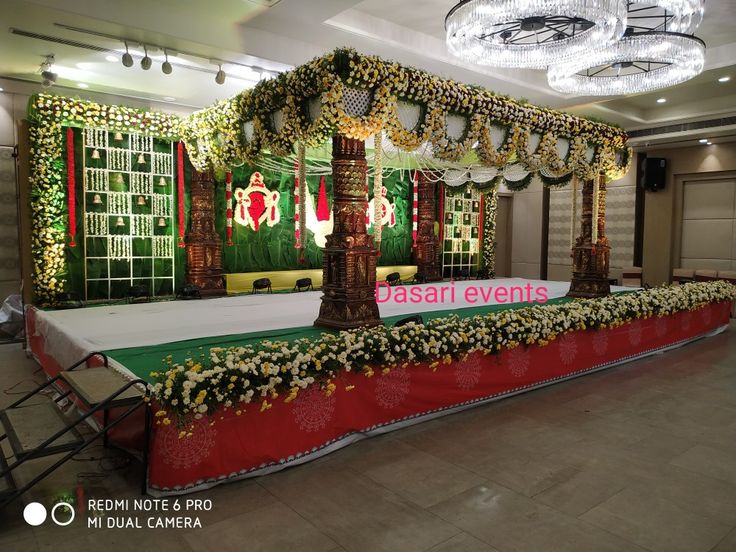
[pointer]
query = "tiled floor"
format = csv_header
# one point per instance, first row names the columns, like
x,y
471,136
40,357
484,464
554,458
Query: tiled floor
x,y
640,457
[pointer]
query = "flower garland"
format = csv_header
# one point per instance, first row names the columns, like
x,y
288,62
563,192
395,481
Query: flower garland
x,y
119,247
180,190
490,208
48,115
97,224
310,103
162,246
71,187
377,191
236,376
229,207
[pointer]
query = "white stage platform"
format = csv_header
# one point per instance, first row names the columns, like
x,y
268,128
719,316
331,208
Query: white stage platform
x,y
72,334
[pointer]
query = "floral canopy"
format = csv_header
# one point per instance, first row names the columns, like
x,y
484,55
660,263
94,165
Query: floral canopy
x,y
360,96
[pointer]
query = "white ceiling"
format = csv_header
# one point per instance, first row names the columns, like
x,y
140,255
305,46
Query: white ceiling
x,y
292,32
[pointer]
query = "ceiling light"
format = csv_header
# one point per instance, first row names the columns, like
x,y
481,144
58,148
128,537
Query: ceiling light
x,y
532,33
82,85
661,100
220,76
703,140
639,62
127,58
111,59
48,77
1,89
166,66
709,143
724,79
169,99
146,62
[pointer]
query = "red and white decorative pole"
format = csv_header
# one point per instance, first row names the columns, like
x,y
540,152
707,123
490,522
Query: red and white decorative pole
x,y
229,203
71,187
415,209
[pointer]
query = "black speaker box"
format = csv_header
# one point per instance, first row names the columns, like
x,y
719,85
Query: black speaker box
x,y
653,173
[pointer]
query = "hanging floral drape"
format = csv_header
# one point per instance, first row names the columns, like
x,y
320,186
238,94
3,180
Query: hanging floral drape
x,y
358,96
71,187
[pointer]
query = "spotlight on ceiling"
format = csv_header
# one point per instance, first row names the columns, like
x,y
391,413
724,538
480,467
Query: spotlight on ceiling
x,y
111,59
220,76
166,66
661,100
146,62
709,143
703,140
82,85
127,58
48,77
724,79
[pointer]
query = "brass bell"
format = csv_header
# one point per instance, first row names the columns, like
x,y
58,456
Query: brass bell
x,y
161,221
141,200
96,154
96,200
120,222
141,159
162,181
119,179
118,136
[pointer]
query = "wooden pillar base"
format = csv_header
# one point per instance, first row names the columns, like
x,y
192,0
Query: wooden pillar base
x,y
426,254
590,277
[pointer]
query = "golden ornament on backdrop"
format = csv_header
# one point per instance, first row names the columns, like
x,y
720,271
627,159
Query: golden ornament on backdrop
x,y
141,159
97,200
161,221
120,222
141,200
119,179
162,181
96,154
118,136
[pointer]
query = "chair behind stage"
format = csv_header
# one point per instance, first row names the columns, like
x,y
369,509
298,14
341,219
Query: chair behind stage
x,y
303,284
393,279
261,284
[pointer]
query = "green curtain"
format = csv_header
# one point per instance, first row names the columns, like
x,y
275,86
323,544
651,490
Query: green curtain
x,y
272,248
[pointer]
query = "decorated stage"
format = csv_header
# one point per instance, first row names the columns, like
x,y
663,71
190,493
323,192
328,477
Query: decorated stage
x,y
485,353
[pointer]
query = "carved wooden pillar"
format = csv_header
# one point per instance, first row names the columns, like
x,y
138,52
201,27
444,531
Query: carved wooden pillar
x,y
204,246
349,258
590,260
426,250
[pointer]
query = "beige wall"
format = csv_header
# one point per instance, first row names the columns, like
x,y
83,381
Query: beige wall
x,y
620,206
660,217
526,244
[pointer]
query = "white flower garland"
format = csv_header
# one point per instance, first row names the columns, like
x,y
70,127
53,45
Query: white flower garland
x,y
139,143
119,247
95,137
142,226
141,183
236,375
118,159
163,246
118,203
96,224
95,180
377,190
162,163
161,205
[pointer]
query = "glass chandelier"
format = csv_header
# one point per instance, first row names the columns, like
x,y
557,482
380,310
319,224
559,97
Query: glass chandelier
x,y
656,51
532,33
639,62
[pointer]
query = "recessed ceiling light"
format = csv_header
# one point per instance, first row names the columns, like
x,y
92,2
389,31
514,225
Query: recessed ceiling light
x,y
112,59
709,143
661,100
1,89
82,85
703,140
724,79
169,98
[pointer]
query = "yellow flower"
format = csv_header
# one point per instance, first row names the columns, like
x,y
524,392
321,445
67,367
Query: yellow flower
x,y
265,405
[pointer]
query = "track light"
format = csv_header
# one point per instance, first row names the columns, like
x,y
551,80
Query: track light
x,y
48,77
166,66
127,58
220,76
146,62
